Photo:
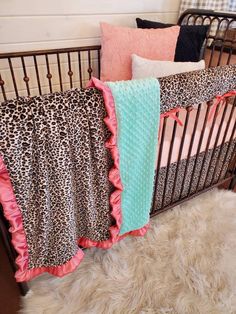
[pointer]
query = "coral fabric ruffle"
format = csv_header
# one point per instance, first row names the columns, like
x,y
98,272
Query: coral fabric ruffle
x,y
12,213
114,174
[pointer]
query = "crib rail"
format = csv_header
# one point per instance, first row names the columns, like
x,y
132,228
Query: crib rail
x,y
33,73
220,45
39,72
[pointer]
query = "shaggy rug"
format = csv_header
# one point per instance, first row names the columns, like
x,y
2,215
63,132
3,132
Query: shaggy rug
x,y
186,263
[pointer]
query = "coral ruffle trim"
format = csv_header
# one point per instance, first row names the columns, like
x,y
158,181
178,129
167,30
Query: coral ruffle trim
x,y
114,174
12,213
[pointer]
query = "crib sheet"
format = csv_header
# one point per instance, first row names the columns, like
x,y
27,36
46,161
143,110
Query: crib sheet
x,y
189,132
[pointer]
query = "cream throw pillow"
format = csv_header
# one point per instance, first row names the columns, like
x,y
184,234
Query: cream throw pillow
x,y
142,68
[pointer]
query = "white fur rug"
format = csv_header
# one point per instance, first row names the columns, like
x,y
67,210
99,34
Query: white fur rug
x,y
185,264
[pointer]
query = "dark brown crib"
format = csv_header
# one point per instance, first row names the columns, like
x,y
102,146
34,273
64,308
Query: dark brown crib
x,y
177,179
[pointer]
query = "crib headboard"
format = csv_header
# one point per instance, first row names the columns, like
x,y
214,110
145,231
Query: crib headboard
x,y
39,72
220,44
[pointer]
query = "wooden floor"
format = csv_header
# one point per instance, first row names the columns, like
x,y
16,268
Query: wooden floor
x,y
9,292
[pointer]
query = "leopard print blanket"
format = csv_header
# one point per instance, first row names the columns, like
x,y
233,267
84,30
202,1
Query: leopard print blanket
x,y
53,147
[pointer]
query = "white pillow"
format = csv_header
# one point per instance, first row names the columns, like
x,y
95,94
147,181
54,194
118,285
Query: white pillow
x,y
142,68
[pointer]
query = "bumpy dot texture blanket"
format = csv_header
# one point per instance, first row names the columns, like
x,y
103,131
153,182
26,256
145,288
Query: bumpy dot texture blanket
x,y
137,105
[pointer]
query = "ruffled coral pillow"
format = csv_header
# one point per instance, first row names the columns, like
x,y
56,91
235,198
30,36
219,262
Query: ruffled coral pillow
x,y
119,43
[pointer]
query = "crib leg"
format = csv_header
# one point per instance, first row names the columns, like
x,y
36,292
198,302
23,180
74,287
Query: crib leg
x,y
232,184
11,254
23,287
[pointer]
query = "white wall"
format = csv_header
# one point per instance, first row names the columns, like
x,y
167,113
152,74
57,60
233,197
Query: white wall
x,y
40,24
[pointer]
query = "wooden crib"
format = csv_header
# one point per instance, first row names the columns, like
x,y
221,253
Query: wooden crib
x,y
192,159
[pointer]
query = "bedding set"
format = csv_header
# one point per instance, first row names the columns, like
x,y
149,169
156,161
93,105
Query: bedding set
x,y
77,168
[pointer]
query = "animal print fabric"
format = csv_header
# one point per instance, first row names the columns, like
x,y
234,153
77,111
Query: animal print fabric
x,y
193,175
53,147
192,88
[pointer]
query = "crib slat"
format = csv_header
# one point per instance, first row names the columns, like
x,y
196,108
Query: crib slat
x,y
227,152
207,145
169,160
37,75
214,38
223,43
229,164
234,164
216,142
59,71
49,75
223,140
207,36
2,88
70,73
190,147
80,69
212,54
90,70
199,144
99,63
226,156
13,78
26,78
220,55
230,55
163,131
188,110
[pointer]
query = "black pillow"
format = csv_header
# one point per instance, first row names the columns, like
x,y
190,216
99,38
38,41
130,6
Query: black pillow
x,y
190,40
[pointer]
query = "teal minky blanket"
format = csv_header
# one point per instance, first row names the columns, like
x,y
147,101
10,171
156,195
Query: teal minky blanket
x,y
137,105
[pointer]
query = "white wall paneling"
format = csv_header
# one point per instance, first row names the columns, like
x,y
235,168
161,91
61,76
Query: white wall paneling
x,y
32,25
85,7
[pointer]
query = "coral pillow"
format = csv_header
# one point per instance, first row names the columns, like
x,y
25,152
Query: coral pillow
x,y
142,68
119,43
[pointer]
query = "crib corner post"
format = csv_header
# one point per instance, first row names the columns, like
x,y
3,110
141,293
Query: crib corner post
x,y
232,184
